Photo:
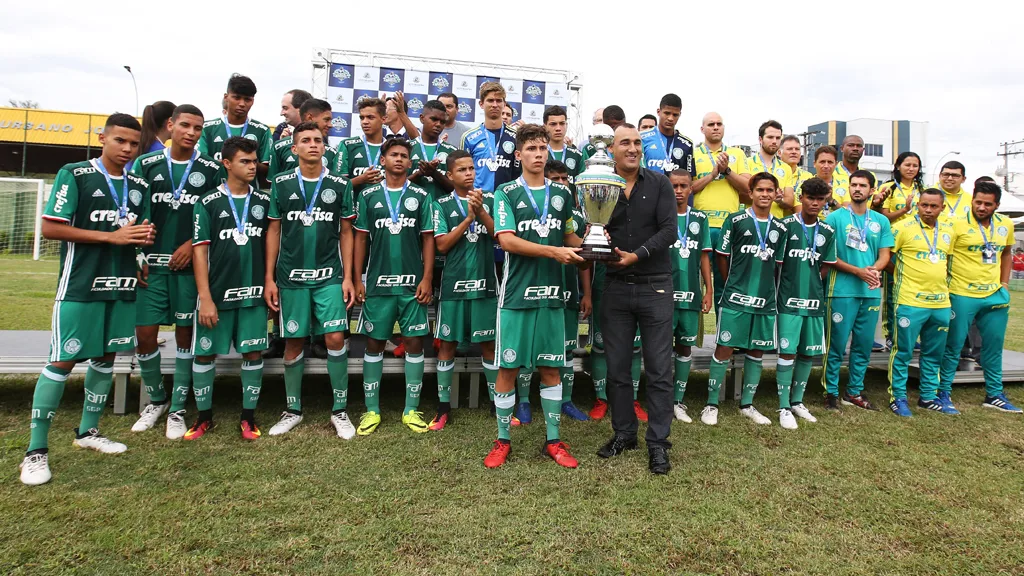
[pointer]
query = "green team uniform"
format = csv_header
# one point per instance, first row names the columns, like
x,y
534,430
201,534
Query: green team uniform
x,y
467,311
94,309
171,295
427,153
236,272
396,259
686,279
571,157
282,159
571,291
801,294
309,269
531,323
356,156
216,131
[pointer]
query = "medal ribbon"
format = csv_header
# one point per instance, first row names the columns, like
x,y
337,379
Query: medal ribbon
x,y
239,222
761,237
933,246
811,244
184,178
316,191
547,199
227,127
122,205
391,207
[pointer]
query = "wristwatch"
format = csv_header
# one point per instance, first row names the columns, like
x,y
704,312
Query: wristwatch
x,y
727,171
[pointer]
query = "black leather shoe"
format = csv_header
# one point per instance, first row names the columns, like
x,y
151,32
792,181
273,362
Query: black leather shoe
x,y
658,463
617,445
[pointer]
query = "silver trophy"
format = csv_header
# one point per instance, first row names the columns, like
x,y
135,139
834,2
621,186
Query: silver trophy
x,y
598,188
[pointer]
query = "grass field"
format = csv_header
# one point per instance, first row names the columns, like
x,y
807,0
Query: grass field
x,y
857,493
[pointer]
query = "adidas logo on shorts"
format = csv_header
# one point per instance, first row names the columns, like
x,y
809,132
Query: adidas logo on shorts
x,y
158,178
98,193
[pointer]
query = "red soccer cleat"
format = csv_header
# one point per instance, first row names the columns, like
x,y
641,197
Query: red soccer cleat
x,y
498,454
599,410
198,429
400,349
439,422
641,414
515,422
250,431
559,452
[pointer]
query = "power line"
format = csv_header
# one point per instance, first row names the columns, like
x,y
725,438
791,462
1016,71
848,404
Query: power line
x,y
1009,149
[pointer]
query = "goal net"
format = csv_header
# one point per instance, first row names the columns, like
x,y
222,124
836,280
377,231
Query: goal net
x,y
21,205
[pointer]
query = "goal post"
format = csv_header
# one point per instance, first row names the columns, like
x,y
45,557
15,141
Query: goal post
x,y
21,208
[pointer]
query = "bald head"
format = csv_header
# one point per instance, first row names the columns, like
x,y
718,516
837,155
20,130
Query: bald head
x,y
598,116
853,149
713,128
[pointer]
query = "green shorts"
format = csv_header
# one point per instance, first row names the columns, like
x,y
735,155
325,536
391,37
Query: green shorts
x,y
170,299
378,315
745,330
531,337
572,330
685,324
306,311
467,320
246,328
82,330
803,335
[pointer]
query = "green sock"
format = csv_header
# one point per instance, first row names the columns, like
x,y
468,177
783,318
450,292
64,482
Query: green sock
x,y
45,399
751,377
491,375
801,374
202,384
523,386
373,368
413,381
337,369
599,372
444,380
252,382
98,379
784,378
716,375
182,379
149,367
568,374
551,403
293,370
504,404
682,375
634,371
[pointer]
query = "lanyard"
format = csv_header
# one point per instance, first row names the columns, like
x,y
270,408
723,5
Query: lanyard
x,y
900,188
391,207
863,230
933,246
668,145
686,227
767,168
711,157
227,127
952,211
458,203
812,245
366,146
551,152
122,206
761,237
492,147
991,230
302,188
239,222
184,177
423,147
547,198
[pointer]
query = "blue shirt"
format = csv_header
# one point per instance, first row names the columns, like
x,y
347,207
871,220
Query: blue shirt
x,y
878,234
665,154
492,146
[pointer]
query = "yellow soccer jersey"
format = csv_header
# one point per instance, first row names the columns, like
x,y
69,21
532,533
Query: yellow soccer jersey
x,y
777,168
840,191
972,272
920,255
718,199
899,198
957,205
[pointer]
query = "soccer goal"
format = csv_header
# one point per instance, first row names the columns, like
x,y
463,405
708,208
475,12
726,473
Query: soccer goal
x,y
21,205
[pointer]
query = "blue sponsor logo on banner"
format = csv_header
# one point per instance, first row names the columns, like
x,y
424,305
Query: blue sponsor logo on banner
x,y
480,82
466,111
360,95
341,125
415,103
342,75
391,79
533,92
440,82
517,110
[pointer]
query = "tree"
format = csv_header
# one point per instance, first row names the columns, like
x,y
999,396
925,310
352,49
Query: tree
x,y
23,103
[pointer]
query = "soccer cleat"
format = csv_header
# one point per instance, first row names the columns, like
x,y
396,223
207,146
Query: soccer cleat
x,y
754,415
641,414
802,412
936,406
35,469
559,452
570,410
94,441
288,421
877,346
786,419
198,429
966,353
945,399
832,402
498,454
399,350
368,423
680,412
439,422
860,401
343,426
900,407
149,416
176,425
599,410
414,420
1001,403
275,346
250,431
523,413
514,422
709,415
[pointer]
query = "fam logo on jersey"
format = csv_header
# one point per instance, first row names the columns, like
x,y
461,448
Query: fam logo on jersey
x,y
292,326
329,196
509,355
72,346
257,212
196,179
557,202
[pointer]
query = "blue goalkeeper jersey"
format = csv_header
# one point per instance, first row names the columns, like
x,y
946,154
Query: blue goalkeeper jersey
x,y
494,156
664,154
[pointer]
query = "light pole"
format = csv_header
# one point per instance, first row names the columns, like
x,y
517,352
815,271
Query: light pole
x,y
943,157
129,69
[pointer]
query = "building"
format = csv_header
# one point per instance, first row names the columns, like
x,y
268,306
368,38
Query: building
x,y
36,143
884,140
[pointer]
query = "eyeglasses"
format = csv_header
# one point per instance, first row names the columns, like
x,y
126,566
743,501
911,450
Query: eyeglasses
x,y
950,175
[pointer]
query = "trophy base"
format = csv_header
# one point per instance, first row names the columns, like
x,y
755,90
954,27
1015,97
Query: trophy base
x,y
598,253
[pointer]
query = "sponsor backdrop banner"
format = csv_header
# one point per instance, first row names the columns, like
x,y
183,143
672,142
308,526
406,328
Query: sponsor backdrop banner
x,y
348,84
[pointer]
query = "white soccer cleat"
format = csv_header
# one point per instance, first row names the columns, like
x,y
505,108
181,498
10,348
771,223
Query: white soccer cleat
x,y
94,441
176,427
680,411
35,470
786,419
343,426
803,413
150,414
709,415
286,423
753,414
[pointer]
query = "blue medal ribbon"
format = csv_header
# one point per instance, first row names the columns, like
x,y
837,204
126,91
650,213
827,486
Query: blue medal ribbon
x,y
366,146
761,238
458,204
184,178
492,147
316,191
227,127
122,205
952,211
551,153
668,145
711,157
547,199
933,246
239,222
423,147
811,241
391,207
992,231
686,227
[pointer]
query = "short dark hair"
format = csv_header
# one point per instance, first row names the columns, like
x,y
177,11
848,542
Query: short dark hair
x,y
769,124
303,127
242,85
627,125
299,97
530,132
815,188
555,167
672,100
763,176
554,111
377,103
935,191
186,109
989,188
613,112
954,165
791,138
396,141
647,117
434,105
119,120
237,144
452,157
867,175
681,172
826,149
314,105
984,179
454,98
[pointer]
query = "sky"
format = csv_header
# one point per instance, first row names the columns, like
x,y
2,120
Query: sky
x,y
959,69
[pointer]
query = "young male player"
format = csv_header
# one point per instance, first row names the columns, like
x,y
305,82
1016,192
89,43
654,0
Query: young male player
x,y
558,149
492,144
427,161
228,259
100,214
309,246
665,148
359,158
283,159
238,100
394,216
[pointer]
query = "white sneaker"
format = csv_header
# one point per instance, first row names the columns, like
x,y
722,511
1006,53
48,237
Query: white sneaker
x,y
786,419
149,416
35,470
286,423
176,427
753,414
709,415
95,441
802,412
680,410
343,426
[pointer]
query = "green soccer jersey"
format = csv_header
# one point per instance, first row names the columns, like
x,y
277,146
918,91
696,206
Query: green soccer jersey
x,y
81,198
801,291
216,131
282,159
173,216
693,238
570,272
310,256
571,157
750,287
396,248
429,152
236,272
469,265
532,282
356,156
